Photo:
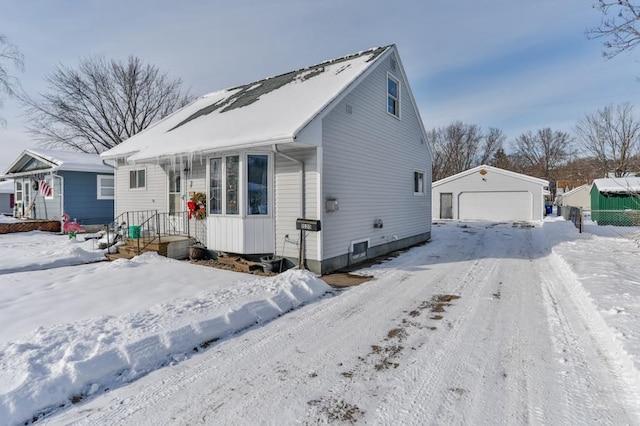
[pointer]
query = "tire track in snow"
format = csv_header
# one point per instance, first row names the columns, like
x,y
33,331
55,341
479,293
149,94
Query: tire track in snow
x,y
144,398
582,342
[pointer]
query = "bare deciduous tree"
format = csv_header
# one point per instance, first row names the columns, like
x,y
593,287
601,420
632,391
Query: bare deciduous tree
x,y
619,26
101,103
460,146
492,143
612,136
543,151
10,55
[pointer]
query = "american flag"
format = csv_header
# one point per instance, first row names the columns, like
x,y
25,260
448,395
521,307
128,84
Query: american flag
x,y
44,188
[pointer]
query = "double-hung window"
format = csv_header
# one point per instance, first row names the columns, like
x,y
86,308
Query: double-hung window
x,y
393,96
18,192
106,187
137,179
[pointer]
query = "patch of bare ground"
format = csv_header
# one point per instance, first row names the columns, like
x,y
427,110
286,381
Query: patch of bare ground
x,y
236,267
337,410
345,279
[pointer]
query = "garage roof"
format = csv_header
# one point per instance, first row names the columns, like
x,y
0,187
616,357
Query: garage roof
x,y
491,169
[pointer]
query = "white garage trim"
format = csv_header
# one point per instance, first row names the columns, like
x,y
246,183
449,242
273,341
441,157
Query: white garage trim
x,y
496,206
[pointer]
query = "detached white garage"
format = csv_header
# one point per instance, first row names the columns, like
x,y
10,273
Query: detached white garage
x,y
487,193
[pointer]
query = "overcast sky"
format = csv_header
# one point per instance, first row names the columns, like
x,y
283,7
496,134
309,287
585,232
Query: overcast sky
x,y
512,64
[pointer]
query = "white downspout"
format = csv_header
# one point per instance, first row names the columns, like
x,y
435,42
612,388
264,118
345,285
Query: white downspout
x,y
302,200
61,204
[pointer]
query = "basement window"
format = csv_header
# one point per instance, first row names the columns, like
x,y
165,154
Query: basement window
x,y
359,249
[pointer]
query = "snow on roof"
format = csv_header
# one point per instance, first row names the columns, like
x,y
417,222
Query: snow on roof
x,y
273,110
73,161
618,185
6,187
60,160
577,189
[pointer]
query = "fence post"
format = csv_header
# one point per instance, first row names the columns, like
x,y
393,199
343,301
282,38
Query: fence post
x,y
580,226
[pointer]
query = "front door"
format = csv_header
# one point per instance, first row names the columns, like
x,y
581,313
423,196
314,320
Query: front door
x,y
446,205
177,204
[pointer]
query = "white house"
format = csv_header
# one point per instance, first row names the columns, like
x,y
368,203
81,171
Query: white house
x,y
577,197
340,144
487,193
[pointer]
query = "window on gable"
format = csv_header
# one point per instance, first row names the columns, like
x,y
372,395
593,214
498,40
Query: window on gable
x,y
106,187
137,179
418,183
393,96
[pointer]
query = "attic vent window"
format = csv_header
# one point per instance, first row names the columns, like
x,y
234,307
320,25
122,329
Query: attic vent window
x,y
393,96
393,64
349,109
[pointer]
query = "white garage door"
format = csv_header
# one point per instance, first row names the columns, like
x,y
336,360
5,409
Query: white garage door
x,y
496,206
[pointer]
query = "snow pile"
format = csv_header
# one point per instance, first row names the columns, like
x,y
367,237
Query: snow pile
x,y
55,365
35,250
8,219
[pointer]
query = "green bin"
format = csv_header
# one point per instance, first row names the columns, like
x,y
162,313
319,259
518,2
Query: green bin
x,y
134,231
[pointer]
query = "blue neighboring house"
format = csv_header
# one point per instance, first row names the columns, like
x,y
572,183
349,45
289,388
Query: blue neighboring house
x,y
49,184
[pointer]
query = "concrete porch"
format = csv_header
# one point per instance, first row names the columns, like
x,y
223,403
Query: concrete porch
x,y
171,246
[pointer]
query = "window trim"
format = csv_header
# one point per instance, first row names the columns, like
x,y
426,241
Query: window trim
x,y
360,255
243,184
419,193
19,191
137,170
99,179
246,184
395,98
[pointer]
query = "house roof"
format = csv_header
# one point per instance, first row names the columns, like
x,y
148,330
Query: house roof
x,y
618,185
491,169
265,112
45,160
577,189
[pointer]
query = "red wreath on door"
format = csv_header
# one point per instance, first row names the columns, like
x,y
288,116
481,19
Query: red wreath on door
x,y
196,206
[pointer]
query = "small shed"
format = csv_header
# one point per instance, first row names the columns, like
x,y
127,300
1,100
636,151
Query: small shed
x,y
49,184
6,197
577,197
616,201
487,193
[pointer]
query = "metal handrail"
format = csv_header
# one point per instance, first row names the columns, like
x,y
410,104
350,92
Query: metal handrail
x,y
152,226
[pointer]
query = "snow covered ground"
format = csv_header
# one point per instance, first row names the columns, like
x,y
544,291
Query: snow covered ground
x,y
486,324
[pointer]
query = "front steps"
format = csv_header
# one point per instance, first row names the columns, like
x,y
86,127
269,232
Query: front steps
x,y
174,247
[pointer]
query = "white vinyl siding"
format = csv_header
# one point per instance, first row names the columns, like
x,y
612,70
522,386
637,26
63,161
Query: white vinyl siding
x,y
154,197
287,203
368,161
